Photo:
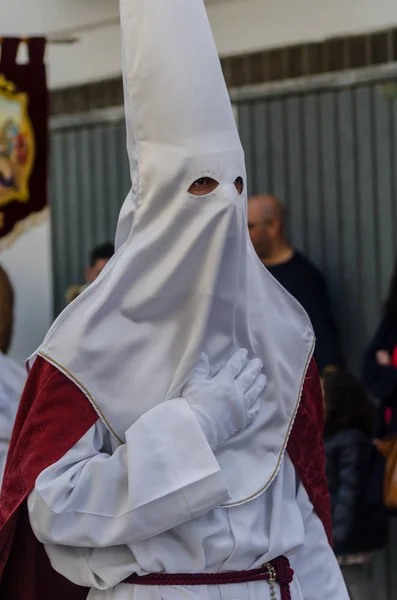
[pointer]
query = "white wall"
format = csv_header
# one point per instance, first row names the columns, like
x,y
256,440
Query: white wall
x,y
238,25
28,264
244,25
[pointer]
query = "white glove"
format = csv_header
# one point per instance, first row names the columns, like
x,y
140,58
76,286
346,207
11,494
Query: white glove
x,y
230,401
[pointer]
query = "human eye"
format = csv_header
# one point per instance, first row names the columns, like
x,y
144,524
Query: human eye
x,y
239,185
203,186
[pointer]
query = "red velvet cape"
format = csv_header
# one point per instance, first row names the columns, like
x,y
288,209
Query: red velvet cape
x,y
53,415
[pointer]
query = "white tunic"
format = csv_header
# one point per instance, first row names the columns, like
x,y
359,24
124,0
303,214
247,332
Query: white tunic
x,y
150,505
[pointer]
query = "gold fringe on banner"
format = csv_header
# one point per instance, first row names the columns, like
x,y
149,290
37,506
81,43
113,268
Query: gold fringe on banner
x,y
21,227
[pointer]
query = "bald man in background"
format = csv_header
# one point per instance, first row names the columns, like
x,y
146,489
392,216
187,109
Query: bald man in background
x,y
266,222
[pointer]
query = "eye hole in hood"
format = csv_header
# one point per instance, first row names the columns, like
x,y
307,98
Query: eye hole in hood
x,y
206,185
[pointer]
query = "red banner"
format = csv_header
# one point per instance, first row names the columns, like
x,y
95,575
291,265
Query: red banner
x,y
23,137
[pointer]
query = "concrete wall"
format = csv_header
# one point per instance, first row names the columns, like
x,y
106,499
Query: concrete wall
x,y
28,264
244,25
238,25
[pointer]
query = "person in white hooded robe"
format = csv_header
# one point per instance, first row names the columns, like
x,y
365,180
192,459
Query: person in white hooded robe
x,y
185,470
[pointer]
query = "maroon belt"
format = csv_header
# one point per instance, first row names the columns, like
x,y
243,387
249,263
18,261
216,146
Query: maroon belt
x,y
276,571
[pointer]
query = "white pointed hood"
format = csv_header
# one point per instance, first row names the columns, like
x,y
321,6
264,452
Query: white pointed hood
x,y
185,277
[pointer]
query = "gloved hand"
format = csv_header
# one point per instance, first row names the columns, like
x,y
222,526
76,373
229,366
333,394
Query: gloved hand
x,y
230,401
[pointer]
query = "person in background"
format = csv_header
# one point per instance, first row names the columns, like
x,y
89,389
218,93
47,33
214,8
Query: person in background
x,y
266,222
359,519
12,376
379,367
99,257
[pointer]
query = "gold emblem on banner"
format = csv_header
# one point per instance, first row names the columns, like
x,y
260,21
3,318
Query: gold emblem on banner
x,y
17,144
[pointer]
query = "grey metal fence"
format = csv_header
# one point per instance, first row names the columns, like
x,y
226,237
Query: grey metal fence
x,y
328,149
329,152
89,181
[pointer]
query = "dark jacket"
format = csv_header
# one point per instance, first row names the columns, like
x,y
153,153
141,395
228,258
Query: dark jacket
x,y
359,520
382,381
303,281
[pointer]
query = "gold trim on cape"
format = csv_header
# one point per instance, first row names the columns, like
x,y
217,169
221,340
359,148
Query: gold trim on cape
x,y
72,378
283,447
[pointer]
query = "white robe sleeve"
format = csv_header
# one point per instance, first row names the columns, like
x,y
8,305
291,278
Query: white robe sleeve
x,y
315,564
164,475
